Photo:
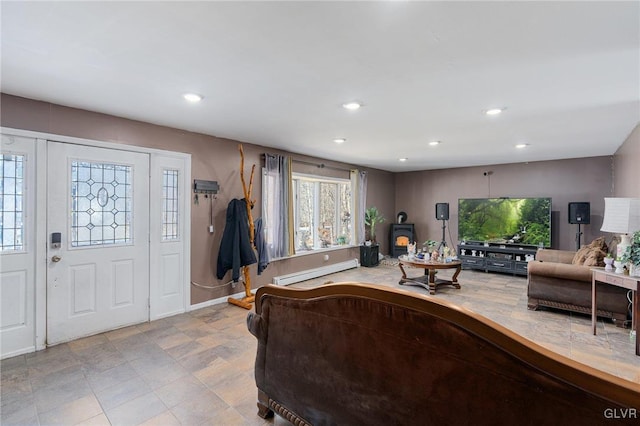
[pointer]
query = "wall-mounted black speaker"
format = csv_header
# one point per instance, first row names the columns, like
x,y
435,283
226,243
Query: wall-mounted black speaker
x,y
442,211
580,213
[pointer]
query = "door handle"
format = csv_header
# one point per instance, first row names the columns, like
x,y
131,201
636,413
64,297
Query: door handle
x,y
56,259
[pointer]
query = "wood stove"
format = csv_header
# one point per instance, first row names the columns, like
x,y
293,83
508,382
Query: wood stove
x,y
400,235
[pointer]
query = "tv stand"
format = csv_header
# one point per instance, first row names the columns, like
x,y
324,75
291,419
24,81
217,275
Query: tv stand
x,y
508,258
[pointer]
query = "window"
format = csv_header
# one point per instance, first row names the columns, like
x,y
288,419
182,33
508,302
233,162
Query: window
x,y
11,202
322,216
101,198
169,205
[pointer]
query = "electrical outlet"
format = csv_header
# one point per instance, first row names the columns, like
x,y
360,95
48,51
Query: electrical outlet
x,y
211,229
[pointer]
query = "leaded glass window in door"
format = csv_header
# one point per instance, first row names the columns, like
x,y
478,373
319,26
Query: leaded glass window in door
x,y
101,204
11,203
169,205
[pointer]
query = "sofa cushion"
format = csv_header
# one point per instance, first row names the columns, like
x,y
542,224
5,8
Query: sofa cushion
x,y
560,271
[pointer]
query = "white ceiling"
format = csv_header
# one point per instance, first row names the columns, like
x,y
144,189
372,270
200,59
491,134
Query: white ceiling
x,y
277,73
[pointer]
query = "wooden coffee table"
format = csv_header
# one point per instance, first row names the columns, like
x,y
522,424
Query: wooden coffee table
x,y
429,280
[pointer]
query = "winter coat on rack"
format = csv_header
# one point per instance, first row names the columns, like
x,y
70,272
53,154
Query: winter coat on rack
x,y
235,248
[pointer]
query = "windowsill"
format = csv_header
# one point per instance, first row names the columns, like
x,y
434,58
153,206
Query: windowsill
x,y
316,251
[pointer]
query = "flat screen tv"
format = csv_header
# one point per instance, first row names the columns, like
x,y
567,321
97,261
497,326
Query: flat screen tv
x,y
525,221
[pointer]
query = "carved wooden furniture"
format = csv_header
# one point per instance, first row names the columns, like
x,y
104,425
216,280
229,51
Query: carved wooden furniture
x,y
429,280
356,354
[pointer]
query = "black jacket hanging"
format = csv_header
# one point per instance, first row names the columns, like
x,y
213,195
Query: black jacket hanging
x,y
261,246
235,247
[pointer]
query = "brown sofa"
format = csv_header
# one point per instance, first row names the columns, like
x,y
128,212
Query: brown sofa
x,y
355,354
555,282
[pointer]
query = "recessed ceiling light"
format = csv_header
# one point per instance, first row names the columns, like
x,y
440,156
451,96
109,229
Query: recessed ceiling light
x,y
192,97
402,159
522,145
339,140
434,143
494,111
352,105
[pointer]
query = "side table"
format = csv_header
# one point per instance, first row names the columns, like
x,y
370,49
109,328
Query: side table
x,y
619,280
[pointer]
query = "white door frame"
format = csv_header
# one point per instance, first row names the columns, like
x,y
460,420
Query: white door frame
x,y
41,219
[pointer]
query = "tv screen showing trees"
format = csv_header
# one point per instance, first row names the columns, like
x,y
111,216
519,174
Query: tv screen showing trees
x,y
524,221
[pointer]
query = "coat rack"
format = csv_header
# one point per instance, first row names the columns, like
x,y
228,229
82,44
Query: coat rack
x,y
248,299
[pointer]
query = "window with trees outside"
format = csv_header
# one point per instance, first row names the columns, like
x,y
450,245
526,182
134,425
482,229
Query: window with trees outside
x,y
322,212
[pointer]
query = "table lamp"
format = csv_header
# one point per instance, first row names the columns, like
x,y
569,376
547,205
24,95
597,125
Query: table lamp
x,y
621,216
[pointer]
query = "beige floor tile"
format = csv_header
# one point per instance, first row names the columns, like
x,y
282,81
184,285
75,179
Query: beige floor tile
x,y
72,412
99,420
122,333
87,342
173,340
199,409
197,367
180,390
136,411
236,389
163,419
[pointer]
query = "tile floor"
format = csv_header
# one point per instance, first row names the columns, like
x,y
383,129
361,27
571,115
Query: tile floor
x,y
197,368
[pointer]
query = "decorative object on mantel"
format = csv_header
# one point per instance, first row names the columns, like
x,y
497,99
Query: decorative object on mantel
x,y
621,216
631,255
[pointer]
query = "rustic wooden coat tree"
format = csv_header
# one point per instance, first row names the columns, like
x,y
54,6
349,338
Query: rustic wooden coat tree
x,y
248,299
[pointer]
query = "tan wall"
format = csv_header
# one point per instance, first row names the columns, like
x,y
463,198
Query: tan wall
x,y
212,159
576,180
416,193
627,167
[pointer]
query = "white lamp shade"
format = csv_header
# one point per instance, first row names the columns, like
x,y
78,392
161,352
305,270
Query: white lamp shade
x,y
621,215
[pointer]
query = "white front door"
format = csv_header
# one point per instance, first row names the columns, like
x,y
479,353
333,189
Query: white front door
x,y
98,210
17,245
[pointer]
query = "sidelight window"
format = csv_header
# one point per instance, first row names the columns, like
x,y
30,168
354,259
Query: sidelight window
x,y
169,205
12,203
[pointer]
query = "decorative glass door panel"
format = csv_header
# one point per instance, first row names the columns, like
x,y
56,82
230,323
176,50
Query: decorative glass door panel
x,y
101,204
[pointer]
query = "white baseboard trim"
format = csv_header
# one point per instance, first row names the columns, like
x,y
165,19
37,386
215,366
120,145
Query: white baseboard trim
x,y
316,272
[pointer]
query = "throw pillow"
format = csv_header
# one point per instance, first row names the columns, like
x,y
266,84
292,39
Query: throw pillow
x,y
599,243
581,255
592,254
595,258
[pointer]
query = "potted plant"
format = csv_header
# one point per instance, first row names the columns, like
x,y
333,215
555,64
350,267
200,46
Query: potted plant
x,y
372,216
632,255
430,244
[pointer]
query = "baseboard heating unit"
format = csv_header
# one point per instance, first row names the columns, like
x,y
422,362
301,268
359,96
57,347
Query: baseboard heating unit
x,y
296,277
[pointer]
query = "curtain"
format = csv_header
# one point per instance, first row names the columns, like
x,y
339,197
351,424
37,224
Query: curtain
x,y
278,206
359,203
